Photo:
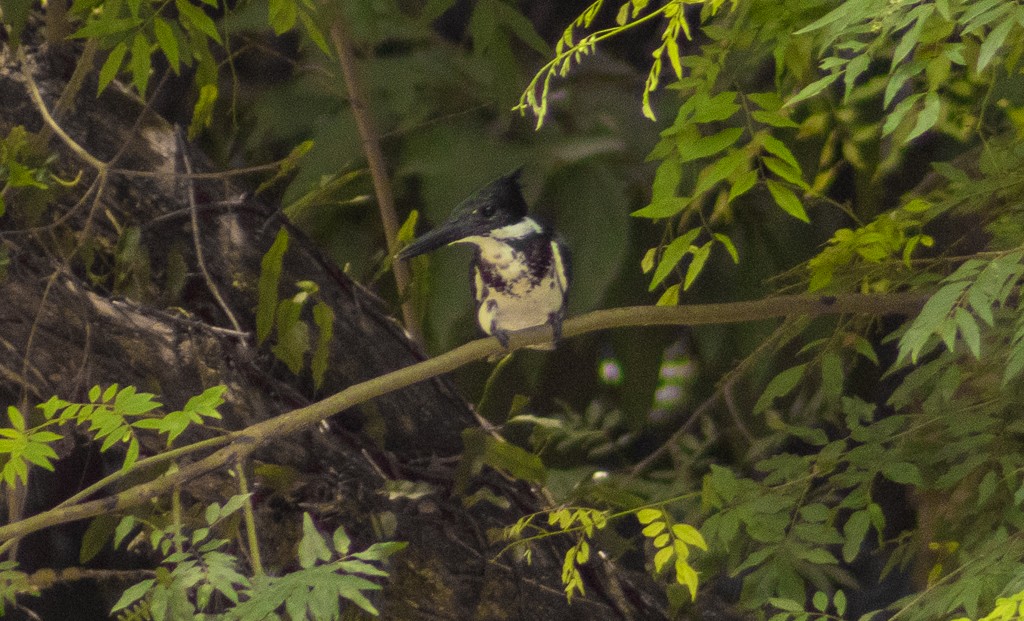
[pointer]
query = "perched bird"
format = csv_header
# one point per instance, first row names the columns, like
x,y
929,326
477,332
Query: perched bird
x,y
521,270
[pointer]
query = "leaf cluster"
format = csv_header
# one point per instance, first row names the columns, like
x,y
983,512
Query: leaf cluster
x,y
198,576
283,317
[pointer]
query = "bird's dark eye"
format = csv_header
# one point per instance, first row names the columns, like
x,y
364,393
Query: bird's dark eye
x,y
487,211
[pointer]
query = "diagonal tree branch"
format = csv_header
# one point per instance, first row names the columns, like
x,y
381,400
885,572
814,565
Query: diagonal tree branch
x,y
242,443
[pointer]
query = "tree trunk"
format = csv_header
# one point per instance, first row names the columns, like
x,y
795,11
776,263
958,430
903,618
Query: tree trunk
x,y
83,305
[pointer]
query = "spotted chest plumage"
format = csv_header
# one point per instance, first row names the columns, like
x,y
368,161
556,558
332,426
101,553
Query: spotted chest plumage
x,y
519,281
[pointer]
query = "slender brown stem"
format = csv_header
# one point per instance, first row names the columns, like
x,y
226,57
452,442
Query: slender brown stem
x,y
370,139
197,241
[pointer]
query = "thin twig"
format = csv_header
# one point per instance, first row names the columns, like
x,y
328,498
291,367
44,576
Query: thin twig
x,y
370,141
783,333
196,239
37,99
250,521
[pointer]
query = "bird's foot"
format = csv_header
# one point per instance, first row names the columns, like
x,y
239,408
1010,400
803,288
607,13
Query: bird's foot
x,y
555,319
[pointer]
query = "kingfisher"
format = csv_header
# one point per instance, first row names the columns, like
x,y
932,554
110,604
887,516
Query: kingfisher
x,y
520,273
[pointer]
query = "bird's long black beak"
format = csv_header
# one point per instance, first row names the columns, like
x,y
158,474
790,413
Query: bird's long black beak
x,y
441,236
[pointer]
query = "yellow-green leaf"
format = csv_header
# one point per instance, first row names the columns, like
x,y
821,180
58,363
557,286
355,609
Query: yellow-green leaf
x,y
194,16
168,43
687,576
787,200
140,63
662,557
726,241
270,276
670,297
111,66
202,114
646,516
654,528
672,255
700,257
690,535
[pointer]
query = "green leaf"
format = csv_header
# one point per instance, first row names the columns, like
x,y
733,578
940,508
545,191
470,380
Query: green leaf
x,y
742,184
909,39
282,15
700,257
780,386
895,118
646,516
16,418
131,455
654,529
670,297
96,536
928,116
130,403
202,113
686,576
819,556
968,328
786,604
106,26
270,277
124,528
206,403
932,317
195,17
292,336
323,317
987,487
515,22
689,535
709,145
820,601
992,42
662,557
903,472
857,65
813,89
666,179
341,541
316,35
726,241
774,119
111,66
853,532
133,594
168,42
787,200
717,108
718,171
785,171
435,8
672,255
662,208
312,548
779,149
514,460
